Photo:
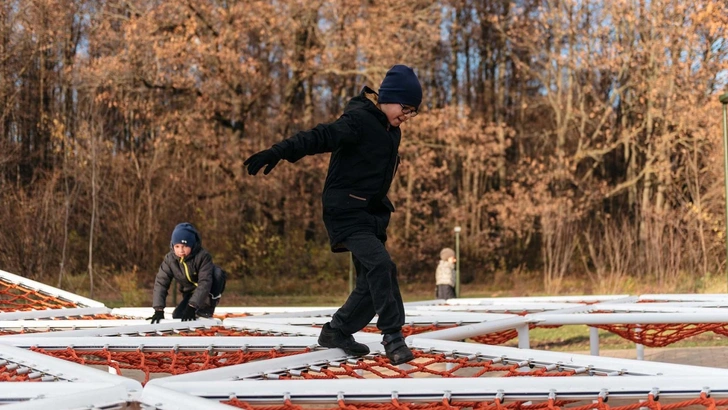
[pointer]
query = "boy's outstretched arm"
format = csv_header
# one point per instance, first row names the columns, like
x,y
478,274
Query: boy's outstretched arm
x,y
322,138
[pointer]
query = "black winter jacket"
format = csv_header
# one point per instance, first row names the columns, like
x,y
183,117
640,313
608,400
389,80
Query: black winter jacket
x,y
197,267
363,163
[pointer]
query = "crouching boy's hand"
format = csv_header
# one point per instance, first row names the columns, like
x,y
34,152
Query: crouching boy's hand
x,y
189,313
157,316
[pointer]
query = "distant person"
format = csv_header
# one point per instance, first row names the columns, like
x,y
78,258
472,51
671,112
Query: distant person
x,y
364,143
445,275
200,281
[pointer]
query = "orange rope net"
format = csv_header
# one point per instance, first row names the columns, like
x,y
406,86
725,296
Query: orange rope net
x,y
661,335
14,297
496,338
721,329
427,364
180,362
169,363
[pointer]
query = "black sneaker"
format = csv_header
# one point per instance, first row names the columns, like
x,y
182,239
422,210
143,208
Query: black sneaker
x,y
331,337
396,349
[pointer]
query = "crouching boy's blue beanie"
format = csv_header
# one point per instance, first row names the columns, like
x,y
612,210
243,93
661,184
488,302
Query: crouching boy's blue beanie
x,y
401,86
185,234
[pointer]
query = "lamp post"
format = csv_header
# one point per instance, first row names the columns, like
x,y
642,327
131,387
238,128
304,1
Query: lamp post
x,y
724,100
457,261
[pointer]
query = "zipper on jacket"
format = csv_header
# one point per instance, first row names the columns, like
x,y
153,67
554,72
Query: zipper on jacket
x,y
396,166
187,271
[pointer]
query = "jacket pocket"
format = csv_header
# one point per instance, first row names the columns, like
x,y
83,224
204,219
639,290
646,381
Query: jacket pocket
x,y
344,199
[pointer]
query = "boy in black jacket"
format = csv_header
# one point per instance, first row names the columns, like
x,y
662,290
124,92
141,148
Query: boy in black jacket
x,y
364,143
192,266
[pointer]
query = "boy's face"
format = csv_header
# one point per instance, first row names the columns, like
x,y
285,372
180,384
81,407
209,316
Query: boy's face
x,y
397,114
182,250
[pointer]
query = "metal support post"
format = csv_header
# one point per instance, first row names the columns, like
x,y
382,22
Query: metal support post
x,y
457,261
724,101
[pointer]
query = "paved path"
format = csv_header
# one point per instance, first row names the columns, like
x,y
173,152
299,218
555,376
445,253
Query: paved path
x,y
694,356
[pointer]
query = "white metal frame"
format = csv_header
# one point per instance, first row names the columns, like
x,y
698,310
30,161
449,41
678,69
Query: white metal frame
x,y
69,385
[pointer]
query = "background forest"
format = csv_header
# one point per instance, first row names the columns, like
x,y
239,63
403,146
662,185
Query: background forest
x,y
577,142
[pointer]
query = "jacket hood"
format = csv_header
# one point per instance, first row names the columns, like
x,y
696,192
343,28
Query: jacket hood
x,y
367,100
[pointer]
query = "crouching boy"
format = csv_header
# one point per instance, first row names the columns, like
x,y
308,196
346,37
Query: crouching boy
x,y
200,281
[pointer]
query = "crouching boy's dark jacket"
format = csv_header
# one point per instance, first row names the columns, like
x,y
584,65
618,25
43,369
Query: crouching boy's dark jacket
x,y
363,162
197,268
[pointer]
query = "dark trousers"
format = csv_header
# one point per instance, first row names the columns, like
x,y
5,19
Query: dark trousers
x,y
445,292
376,291
203,311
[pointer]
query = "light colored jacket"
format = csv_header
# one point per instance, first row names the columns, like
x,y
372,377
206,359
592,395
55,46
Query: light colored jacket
x,y
445,273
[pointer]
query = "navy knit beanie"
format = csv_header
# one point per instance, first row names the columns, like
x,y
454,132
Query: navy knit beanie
x,y
401,86
185,234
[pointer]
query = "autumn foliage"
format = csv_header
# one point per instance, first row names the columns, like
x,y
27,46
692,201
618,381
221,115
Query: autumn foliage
x,y
567,138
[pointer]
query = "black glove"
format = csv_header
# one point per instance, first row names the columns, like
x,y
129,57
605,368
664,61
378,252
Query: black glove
x,y
256,161
157,316
189,313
